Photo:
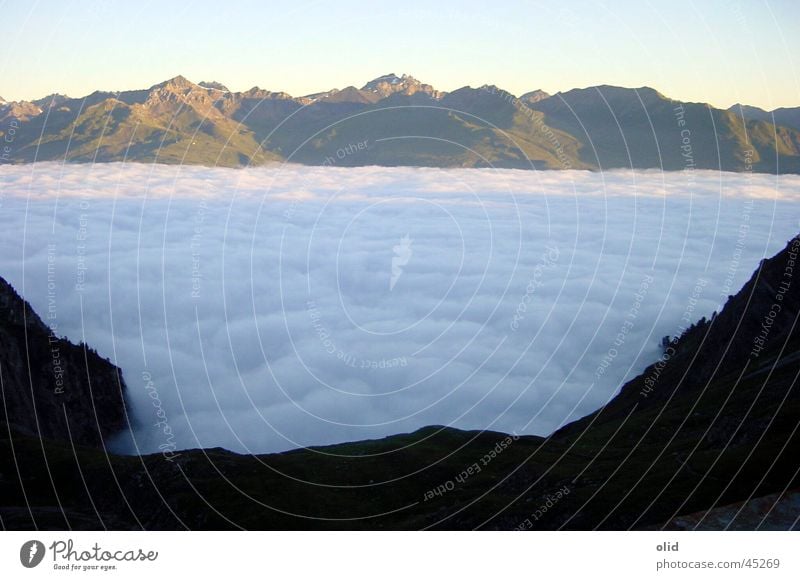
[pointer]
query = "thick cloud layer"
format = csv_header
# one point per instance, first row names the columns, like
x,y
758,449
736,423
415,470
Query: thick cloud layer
x,y
265,309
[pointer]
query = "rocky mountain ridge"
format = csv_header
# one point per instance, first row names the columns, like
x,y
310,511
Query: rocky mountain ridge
x,y
407,122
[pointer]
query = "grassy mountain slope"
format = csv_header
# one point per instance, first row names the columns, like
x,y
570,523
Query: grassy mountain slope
x,y
785,116
621,127
406,122
174,122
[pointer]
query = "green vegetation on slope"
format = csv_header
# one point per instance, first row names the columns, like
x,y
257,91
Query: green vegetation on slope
x,y
405,123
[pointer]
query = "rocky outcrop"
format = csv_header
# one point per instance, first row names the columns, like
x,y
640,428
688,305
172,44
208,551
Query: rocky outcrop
x,y
391,84
19,112
51,388
51,101
776,512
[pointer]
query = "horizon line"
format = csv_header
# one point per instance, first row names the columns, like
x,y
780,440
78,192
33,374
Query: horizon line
x,y
307,95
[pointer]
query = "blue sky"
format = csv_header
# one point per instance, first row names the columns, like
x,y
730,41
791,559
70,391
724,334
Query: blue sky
x,y
720,52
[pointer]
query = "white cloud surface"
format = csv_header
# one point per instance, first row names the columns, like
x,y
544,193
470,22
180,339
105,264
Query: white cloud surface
x,y
260,300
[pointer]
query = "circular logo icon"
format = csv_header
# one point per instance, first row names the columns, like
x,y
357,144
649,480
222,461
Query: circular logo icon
x,y
31,553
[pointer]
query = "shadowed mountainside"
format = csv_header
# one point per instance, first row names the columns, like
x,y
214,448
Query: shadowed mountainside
x,y
51,387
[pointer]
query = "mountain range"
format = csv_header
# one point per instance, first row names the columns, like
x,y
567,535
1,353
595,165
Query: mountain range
x,y
398,120
705,438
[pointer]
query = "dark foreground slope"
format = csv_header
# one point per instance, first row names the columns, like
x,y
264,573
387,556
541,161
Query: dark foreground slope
x,y
717,427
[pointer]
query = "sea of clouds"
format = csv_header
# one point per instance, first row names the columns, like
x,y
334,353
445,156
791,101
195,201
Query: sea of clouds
x,y
265,309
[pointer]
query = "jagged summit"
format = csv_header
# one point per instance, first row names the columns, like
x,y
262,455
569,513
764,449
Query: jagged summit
x,y
391,78
53,100
178,82
181,91
534,96
390,84
213,85
616,127
259,93
21,111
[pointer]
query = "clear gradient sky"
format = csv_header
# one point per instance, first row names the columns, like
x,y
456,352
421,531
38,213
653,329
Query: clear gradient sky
x,y
715,51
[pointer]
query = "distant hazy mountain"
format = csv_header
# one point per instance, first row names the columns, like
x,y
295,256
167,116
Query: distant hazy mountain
x,y
402,121
788,117
213,85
